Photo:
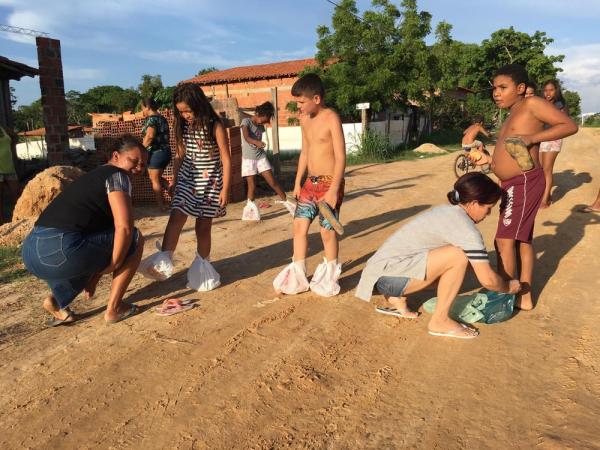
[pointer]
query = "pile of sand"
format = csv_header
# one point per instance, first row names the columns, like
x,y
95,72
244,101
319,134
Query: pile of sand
x,y
429,148
42,189
36,196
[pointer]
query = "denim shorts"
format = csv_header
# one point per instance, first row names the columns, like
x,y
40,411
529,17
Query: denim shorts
x,y
392,286
159,159
67,260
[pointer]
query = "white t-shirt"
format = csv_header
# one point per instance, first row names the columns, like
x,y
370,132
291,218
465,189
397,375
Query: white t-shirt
x,y
404,253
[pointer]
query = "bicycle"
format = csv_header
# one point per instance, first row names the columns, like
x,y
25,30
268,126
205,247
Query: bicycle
x,y
463,164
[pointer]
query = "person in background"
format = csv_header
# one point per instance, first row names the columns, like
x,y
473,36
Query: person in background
x,y
8,174
156,140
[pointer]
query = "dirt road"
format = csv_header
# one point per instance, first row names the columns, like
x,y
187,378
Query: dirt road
x,y
248,369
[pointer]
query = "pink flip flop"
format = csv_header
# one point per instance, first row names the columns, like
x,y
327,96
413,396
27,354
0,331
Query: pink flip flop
x,y
264,205
173,306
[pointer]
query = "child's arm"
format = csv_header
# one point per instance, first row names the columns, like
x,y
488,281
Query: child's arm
x,y
177,160
339,153
483,131
561,125
249,140
302,164
223,144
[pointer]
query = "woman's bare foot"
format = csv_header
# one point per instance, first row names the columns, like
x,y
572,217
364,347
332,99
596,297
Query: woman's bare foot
x,y
451,328
61,314
90,288
399,303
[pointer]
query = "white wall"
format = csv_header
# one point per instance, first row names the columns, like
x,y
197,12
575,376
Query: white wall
x,y
37,149
290,138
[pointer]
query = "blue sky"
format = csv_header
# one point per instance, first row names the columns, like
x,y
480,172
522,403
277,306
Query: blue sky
x,y
117,41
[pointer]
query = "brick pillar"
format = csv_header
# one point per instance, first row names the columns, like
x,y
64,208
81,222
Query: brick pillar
x,y
237,193
53,98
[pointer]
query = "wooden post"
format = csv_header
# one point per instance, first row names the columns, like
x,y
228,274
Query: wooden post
x,y
226,90
275,127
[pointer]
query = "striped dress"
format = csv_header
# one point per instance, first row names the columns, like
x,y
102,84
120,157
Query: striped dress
x,y
200,178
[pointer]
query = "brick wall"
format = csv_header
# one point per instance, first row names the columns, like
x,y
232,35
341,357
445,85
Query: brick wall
x,y
250,94
106,133
53,98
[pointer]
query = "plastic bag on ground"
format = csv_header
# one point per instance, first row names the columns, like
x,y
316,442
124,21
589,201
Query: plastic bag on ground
x,y
485,306
202,276
325,280
498,308
463,308
292,279
250,212
158,266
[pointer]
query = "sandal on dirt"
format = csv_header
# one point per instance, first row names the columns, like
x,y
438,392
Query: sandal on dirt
x,y
589,209
329,215
462,332
173,306
519,152
124,316
396,312
55,321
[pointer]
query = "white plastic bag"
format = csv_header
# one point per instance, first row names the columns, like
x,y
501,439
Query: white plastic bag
x,y
251,212
158,266
325,280
202,276
292,279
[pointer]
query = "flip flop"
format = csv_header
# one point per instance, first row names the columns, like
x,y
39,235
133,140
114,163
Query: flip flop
x,y
517,149
173,306
457,333
328,213
264,205
395,312
55,321
132,311
589,209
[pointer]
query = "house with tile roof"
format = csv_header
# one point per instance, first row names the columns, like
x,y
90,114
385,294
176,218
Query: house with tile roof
x,y
251,85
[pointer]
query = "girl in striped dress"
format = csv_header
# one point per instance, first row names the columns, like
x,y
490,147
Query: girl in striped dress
x,y
201,168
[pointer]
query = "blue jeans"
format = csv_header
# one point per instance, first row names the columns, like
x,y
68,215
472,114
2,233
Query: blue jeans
x,y
159,159
67,260
392,286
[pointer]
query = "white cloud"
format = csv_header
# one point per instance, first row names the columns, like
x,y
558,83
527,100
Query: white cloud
x,y
81,73
581,72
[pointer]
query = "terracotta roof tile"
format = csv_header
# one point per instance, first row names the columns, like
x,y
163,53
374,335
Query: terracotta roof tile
x,y
257,72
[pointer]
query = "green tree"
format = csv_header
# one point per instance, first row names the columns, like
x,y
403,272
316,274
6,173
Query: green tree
x,y
76,113
573,101
206,70
150,85
164,97
29,117
109,99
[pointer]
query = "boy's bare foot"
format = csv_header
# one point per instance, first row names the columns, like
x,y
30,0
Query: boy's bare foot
x,y
90,288
524,302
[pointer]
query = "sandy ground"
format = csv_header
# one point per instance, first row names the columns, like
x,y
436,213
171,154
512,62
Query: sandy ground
x,y
248,369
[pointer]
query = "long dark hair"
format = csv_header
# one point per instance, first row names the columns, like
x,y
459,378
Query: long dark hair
x,y
149,102
205,116
558,97
475,186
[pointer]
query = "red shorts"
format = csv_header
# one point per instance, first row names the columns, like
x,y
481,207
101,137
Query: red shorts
x,y
313,191
521,200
